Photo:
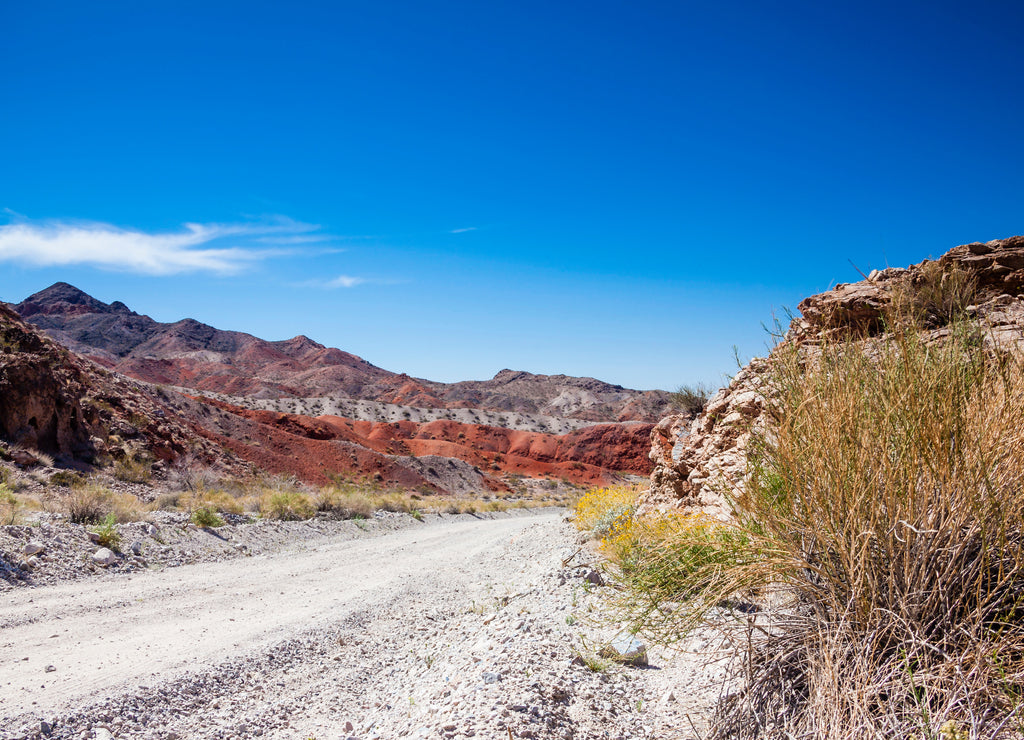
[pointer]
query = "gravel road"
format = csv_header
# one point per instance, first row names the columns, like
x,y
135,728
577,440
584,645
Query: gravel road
x,y
448,629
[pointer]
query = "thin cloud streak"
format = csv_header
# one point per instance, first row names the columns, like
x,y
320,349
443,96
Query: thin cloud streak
x,y
216,247
347,281
463,231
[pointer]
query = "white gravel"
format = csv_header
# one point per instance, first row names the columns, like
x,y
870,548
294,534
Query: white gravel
x,y
447,629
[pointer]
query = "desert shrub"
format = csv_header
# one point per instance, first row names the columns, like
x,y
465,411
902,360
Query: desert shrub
x,y
206,517
10,506
215,500
691,399
168,500
67,478
87,504
107,534
287,506
938,295
883,517
92,502
133,469
601,510
345,501
190,473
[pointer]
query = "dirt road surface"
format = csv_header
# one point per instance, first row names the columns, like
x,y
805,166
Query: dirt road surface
x,y
450,629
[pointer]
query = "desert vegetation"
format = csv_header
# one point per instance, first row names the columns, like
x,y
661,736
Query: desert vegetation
x,y
874,563
210,500
691,398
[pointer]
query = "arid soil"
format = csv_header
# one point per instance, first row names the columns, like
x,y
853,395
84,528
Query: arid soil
x,y
452,629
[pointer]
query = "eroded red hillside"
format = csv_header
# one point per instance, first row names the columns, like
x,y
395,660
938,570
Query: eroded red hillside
x,y
316,448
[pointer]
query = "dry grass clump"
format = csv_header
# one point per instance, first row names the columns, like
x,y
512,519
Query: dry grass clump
x,y
885,519
10,506
287,506
133,468
216,500
691,399
92,502
938,295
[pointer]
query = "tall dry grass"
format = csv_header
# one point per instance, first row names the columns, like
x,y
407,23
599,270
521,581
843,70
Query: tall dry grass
x,y
882,533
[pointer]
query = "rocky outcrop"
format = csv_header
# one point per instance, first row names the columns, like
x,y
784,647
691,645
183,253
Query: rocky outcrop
x,y
700,464
55,402
41,393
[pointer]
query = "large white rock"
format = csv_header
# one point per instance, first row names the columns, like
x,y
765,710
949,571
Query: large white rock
x,y
104,557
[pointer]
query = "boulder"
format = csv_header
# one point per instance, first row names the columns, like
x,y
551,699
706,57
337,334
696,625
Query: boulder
x,y
33,548
104,557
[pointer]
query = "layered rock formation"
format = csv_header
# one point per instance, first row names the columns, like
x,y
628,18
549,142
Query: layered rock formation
x,y
54,401
700,463
191,354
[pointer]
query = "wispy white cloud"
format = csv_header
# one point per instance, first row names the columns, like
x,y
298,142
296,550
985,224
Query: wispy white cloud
x,y
463,231
347,281
344,281
215,247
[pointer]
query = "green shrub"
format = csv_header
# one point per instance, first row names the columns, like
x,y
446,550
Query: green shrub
x,y
204,517
107,534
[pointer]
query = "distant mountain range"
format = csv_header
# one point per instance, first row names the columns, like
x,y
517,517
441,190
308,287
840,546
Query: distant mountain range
x,y
194,355
65,401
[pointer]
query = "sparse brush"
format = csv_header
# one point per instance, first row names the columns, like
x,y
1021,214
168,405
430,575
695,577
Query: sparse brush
x,y
91,502
343,502
133,469
87,504
215,500
691,399
205,517
67,478
884,516
189,473
107,534
287,506
936,296
168,500
10,506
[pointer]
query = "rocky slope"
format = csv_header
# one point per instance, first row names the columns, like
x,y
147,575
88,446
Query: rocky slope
x,y
697,461
53,401
194,355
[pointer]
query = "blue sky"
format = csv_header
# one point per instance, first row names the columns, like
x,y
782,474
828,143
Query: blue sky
x,y
621,190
